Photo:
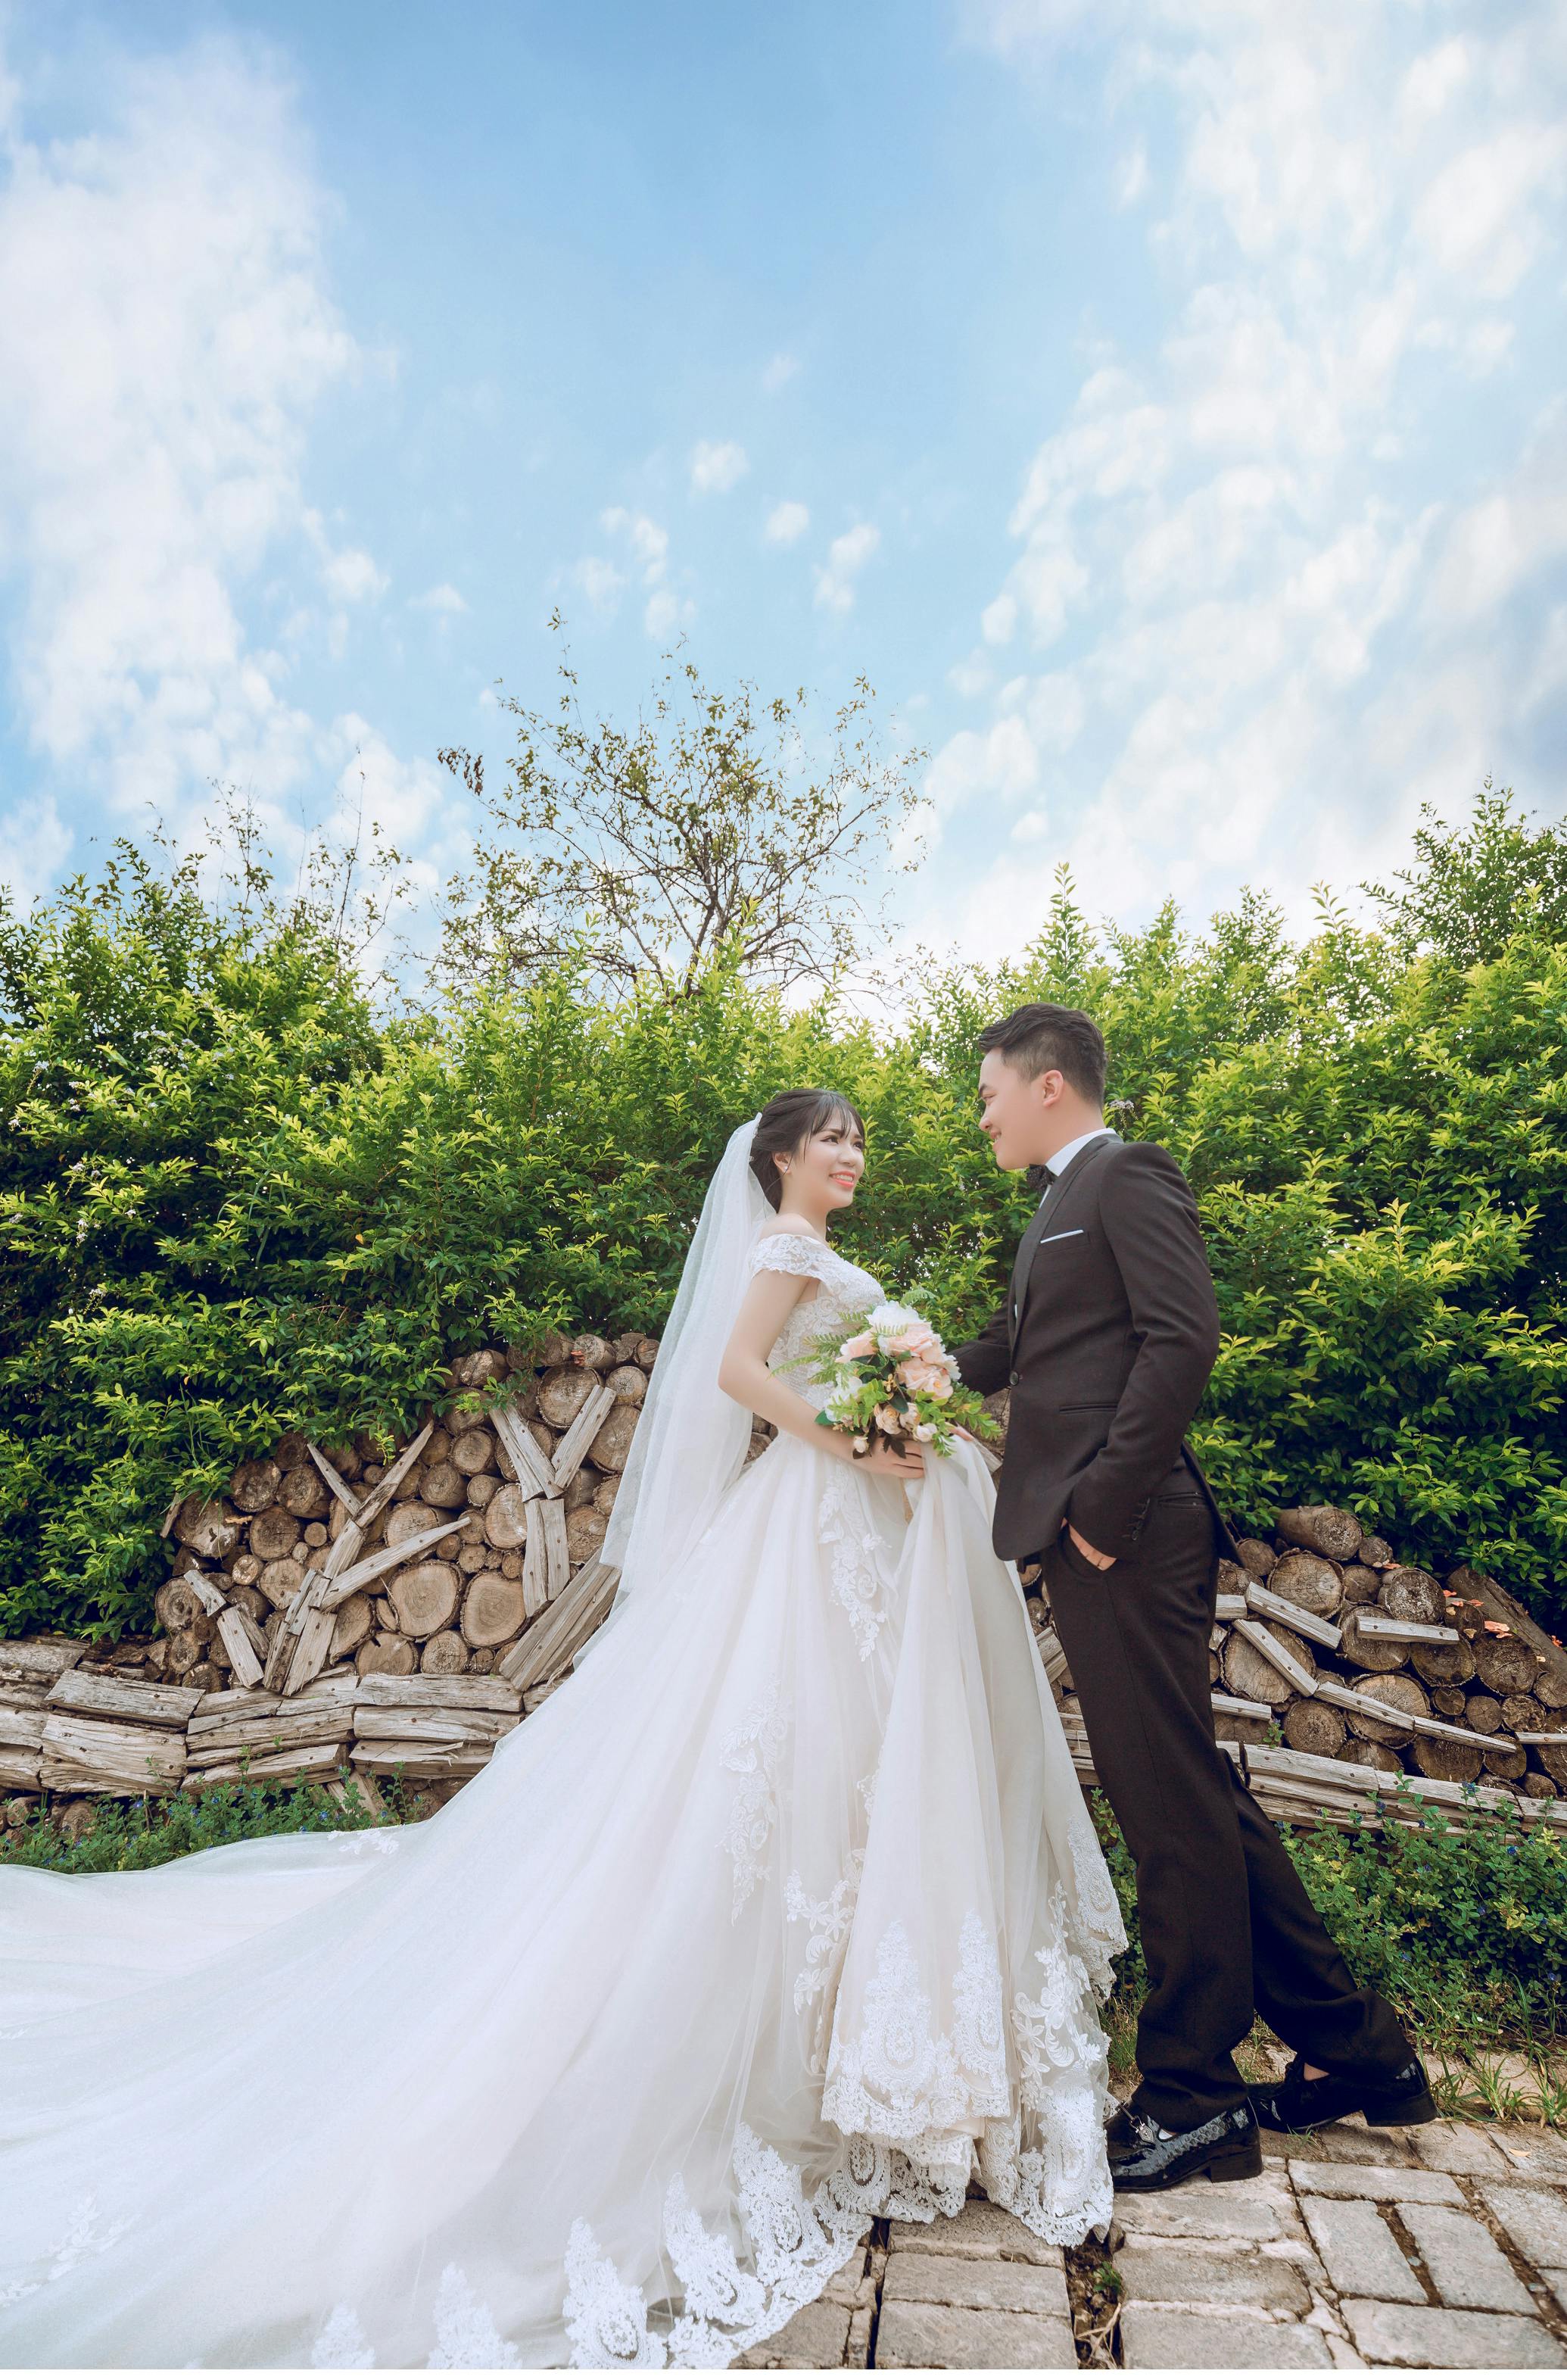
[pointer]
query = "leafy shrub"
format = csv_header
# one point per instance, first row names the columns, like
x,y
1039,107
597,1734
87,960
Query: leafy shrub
x,y
1463,1926
237,1198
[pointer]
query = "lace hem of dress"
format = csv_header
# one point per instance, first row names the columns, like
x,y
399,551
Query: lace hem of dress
x,y
796,2245
899,2079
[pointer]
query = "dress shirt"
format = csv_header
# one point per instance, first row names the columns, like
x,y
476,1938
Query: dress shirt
x,y
1062,1156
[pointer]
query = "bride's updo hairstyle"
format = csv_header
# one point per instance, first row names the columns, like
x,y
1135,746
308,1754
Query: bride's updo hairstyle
x,y
787,1123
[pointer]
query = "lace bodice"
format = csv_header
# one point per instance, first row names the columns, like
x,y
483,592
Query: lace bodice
x,y
845,1289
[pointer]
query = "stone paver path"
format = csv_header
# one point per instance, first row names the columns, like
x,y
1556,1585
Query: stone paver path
x,y
1442,2248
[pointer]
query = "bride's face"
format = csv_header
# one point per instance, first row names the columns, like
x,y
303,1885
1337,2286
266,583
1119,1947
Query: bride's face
x,y
824,1171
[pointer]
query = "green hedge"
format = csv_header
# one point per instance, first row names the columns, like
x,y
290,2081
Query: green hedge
x,y
235,1198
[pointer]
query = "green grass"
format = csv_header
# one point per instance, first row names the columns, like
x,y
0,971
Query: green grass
x,y
146,1833
1463,1926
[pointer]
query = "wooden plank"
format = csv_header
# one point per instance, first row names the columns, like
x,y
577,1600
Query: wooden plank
x,y
1556,1735
529,1458
382,1494
1330,1691
1051,1654
491,1693
273,1731
385,1558
328,1703
342,1789
95,1755
560,1636
243,1643
32,1695
1403,1631
1237,1706
557,1553
19,1769
424,1761
206,1591
1283,1659
106,1698
302,1760
1231,1606
571,1453
1305,1623
351,1504
536,1569
22,1731
449,1729
37,1659
172,1515
311,1647
1279,1761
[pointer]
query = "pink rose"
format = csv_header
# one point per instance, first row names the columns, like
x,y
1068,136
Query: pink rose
x,y
899,1342
889,1422
861,1344
926,1380
924,1344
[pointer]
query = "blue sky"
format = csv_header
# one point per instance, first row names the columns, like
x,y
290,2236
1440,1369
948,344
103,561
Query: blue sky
x,y
1161,404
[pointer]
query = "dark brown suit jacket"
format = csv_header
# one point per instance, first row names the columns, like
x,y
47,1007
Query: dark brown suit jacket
x,y
1106,1339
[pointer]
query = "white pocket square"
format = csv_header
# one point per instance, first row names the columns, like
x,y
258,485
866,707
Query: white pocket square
x,y
1044,1242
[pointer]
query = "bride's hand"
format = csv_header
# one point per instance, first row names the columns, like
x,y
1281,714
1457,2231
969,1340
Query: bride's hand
x,y
884,1463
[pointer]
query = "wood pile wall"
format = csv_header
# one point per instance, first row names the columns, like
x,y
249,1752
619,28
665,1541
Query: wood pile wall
x,y
1335,1667
400,1610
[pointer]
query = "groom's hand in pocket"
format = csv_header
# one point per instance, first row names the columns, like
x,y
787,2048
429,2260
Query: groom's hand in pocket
x,y
1090,1553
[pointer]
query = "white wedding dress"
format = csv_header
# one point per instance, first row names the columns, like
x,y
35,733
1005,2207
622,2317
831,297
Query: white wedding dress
x,y
784,1912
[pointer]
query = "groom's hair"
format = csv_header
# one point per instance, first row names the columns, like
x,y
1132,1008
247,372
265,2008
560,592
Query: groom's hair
x,y
1039,1036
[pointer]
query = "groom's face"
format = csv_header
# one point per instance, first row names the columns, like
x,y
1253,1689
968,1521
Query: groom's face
x,y
1016,1111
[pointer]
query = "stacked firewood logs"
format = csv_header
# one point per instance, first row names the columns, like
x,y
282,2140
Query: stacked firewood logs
x,y
1335,1666
392,1609
401,1609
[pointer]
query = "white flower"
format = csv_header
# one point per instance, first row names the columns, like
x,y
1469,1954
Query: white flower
x,y
838,1402
886,1320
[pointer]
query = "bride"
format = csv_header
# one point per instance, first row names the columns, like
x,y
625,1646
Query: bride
x,y
784,1913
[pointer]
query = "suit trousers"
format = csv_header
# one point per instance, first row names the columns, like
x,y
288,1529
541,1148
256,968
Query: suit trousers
x,y
1228,1930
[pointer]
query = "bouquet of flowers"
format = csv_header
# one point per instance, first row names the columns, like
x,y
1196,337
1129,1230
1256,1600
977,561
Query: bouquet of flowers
x,y
893,1383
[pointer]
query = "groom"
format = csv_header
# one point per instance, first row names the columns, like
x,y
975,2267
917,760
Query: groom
x,y
1106,1339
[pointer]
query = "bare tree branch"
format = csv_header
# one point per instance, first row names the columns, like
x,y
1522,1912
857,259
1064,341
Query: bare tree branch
x,y
718,821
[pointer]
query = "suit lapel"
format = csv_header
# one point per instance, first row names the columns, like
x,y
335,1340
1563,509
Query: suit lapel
x,y
1051,1207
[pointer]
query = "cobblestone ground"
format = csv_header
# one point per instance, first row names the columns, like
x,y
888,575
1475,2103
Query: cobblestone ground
x,y
1442,2248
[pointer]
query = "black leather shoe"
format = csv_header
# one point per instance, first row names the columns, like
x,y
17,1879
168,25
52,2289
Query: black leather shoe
x,y
1297,2106
1226,2148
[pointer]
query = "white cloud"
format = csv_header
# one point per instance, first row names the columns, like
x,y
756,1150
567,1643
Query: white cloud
x,y
647,546
348,574
780,370
34,844
649,543
1289,599
847,556
665,612
169,332
715,468
787,522
1131,176
443,598
600,582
